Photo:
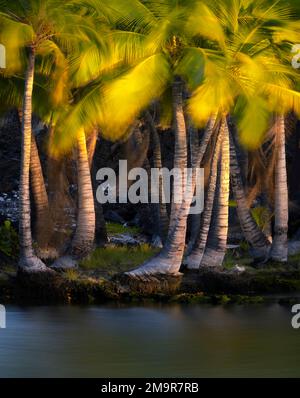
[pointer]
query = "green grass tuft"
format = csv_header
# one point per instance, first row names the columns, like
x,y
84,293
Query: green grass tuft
x,y
231,259
71,274
116,259
115,228
295,258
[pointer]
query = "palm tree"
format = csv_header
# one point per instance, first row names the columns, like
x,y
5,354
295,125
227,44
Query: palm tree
x,y
151,59
180,153
12,96
281,90
193,259
251,83
30,30
168,261
43,228
88,62
252,232
220,89
85,231
217,238
248,81
28,260
82,242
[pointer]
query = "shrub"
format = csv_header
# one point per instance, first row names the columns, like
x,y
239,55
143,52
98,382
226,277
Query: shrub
x,y
9,240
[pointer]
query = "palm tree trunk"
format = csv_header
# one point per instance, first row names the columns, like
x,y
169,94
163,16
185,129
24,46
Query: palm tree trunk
x,y
253,234
279,250
193,260
43,228
163,218
44,225
180,153
197,153
217,239
84,236
100,226
28,261
194,220
62,206
168,261
91,145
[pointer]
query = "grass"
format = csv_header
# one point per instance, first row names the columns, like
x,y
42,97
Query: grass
x,y
71,274
7,268
114,259
232,259
295,258
115,228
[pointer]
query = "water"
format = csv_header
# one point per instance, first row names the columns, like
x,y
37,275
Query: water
x,y
158,341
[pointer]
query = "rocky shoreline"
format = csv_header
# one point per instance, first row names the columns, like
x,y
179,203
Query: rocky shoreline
x,y
204,287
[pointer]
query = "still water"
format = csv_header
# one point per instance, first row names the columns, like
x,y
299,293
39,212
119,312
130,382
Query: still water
x,y
126,341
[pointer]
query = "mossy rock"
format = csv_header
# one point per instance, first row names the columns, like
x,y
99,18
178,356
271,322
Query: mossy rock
x,y
89,286
191,298
149,285
242,299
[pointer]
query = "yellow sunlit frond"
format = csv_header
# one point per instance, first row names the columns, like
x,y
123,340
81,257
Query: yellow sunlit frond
x,y
213,96
283,99
252,120
59,71
14,36
124,98
204,22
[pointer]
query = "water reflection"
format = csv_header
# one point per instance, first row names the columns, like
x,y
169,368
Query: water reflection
x,y
149,341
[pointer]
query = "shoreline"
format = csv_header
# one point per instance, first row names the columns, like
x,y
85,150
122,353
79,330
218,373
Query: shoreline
x,y
204,287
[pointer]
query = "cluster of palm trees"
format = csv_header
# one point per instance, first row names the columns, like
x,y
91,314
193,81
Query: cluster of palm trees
x,y
218,73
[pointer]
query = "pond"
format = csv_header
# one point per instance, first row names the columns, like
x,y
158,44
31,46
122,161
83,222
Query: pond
x,y
150,341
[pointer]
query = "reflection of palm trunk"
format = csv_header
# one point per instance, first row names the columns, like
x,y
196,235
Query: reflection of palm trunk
x,y
252,232
84,235
217,239
161,210
28,260
193,260
279,249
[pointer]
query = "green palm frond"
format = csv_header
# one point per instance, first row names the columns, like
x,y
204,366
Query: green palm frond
x,y
253,117
191,66
204,22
